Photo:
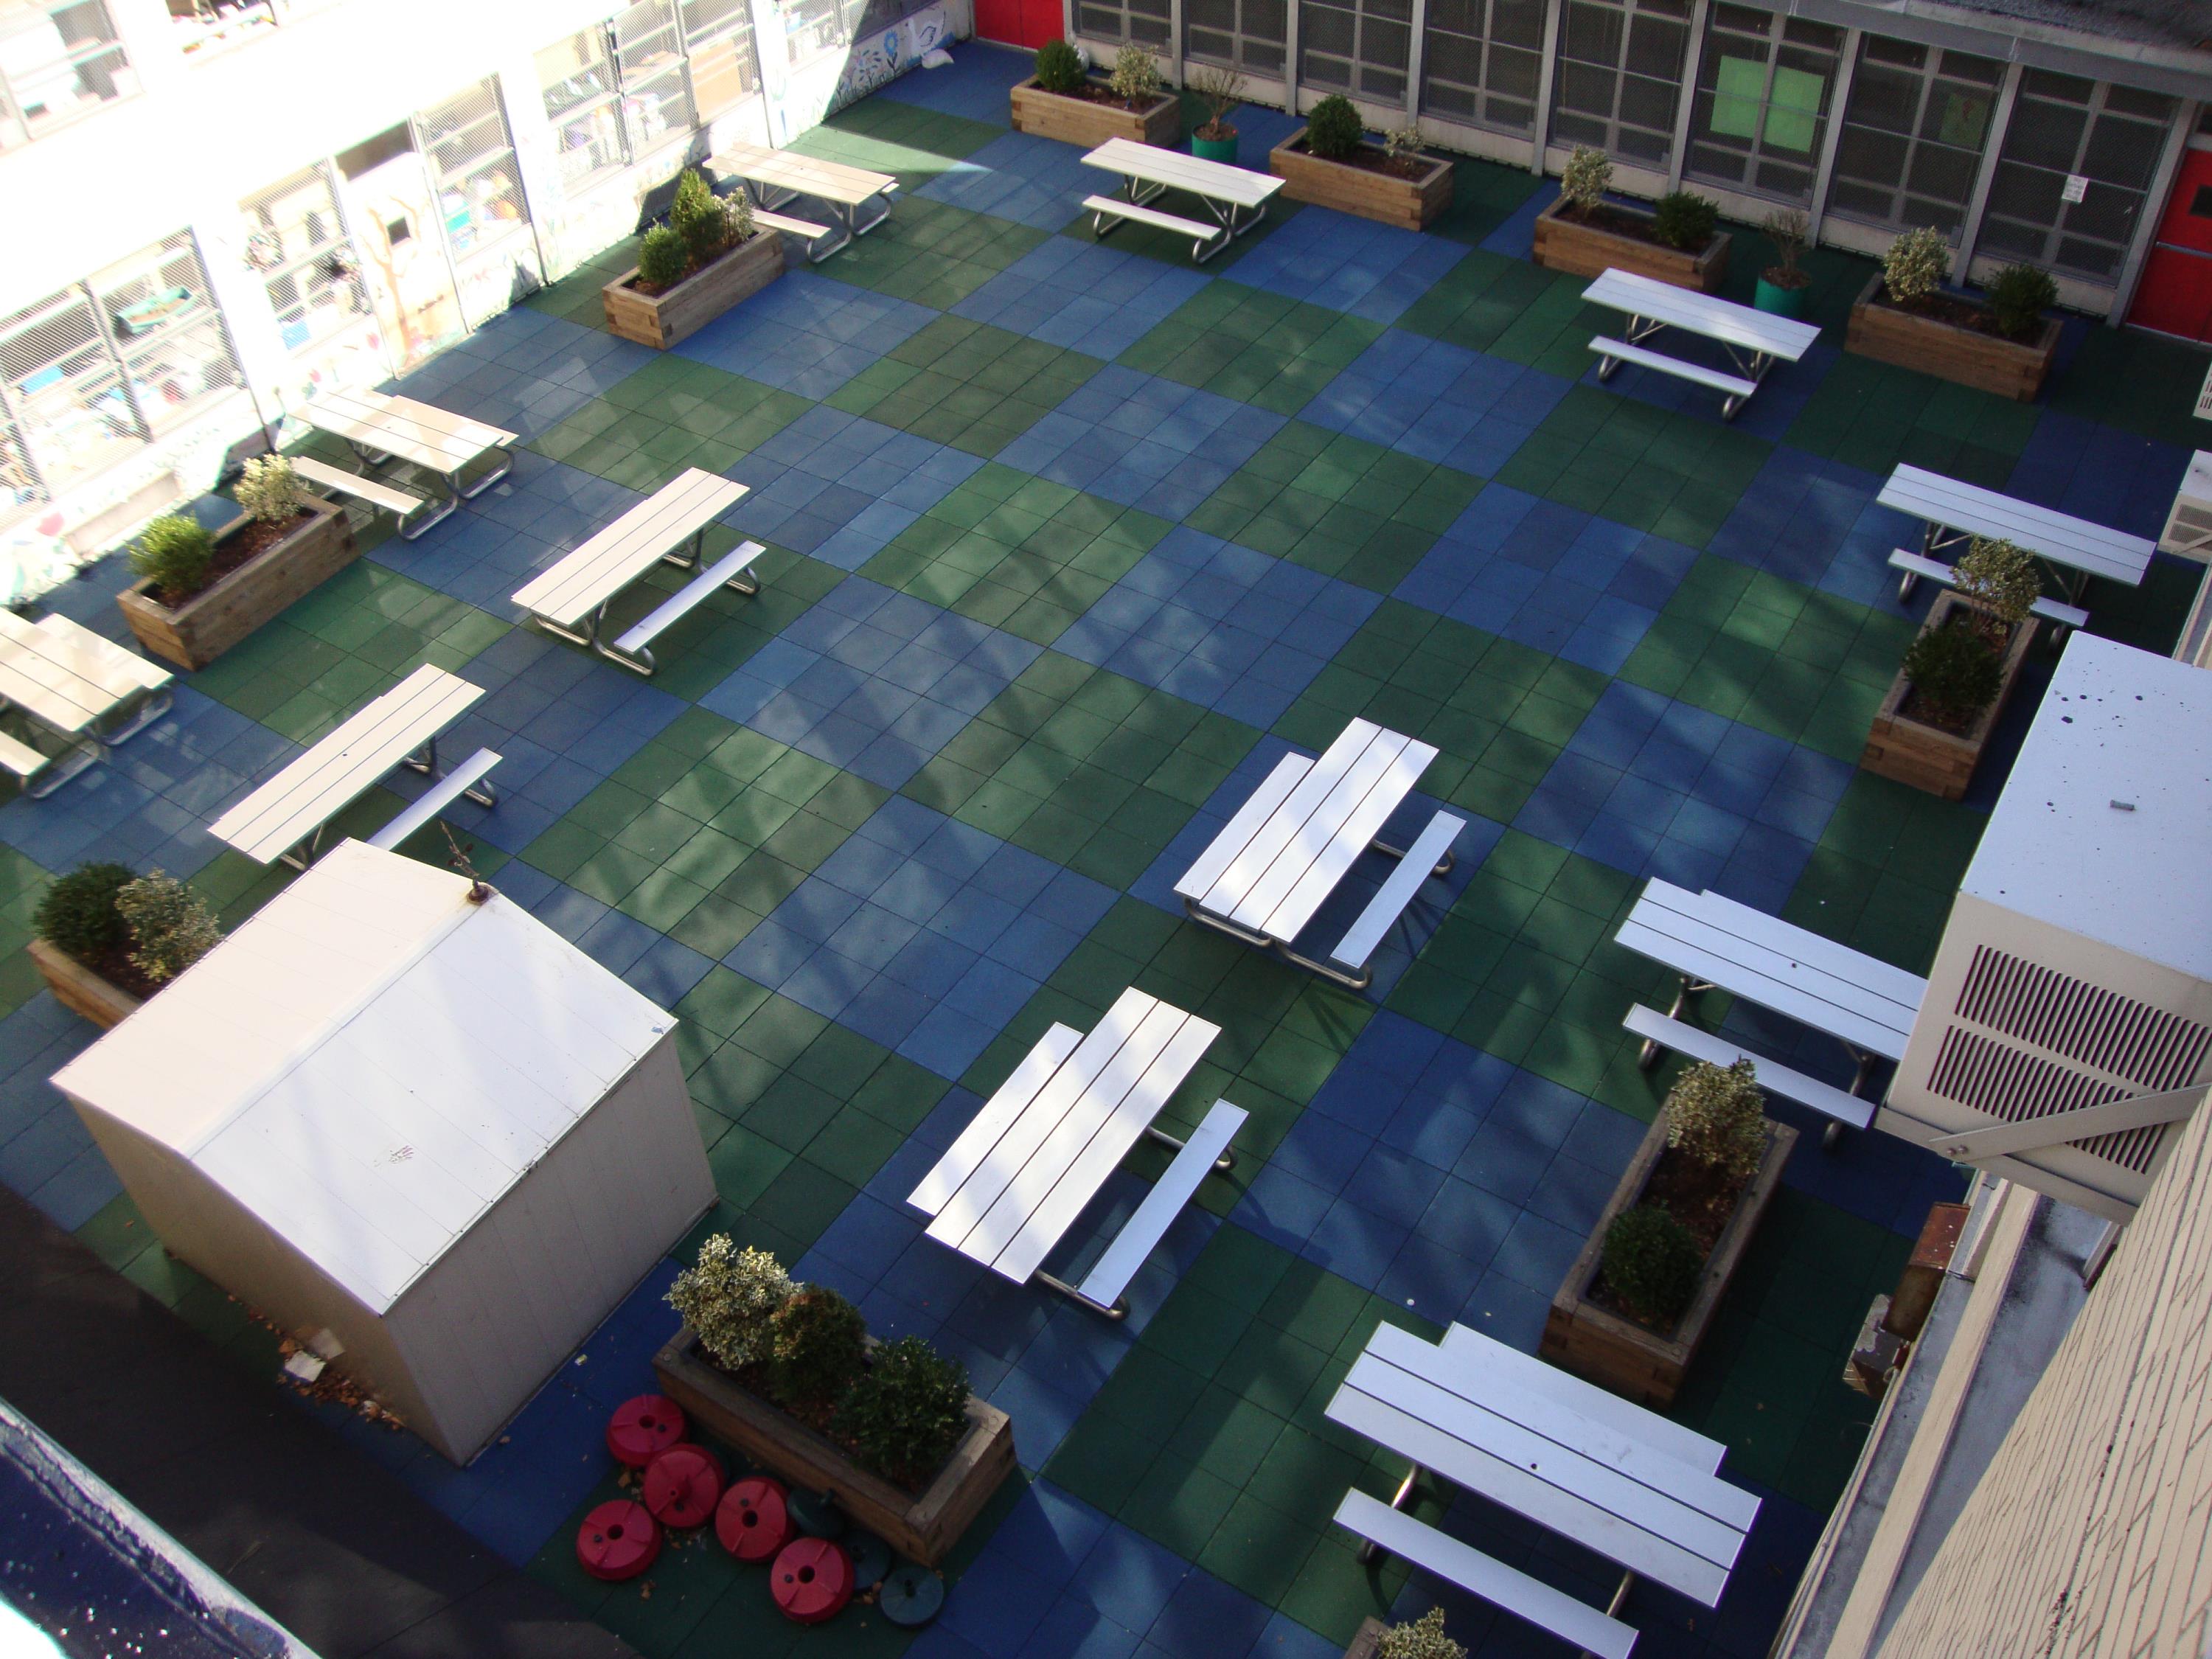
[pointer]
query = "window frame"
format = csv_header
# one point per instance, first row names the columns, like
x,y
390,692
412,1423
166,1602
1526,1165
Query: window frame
x,y
1936,76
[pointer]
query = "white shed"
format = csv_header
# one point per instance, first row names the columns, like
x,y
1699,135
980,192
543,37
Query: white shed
x,y
433,1128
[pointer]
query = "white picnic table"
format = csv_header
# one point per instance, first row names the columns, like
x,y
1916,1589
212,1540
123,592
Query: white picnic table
x,y
780,175
1274,863
1006,1191
570,597
285,816
1236,197
1955,512
382,425
1755,340
1608,1474
73,683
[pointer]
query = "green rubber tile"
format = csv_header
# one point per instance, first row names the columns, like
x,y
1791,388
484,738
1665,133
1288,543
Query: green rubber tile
x,y
669,414
886,134
1481,303
1874,415
968,384
932,253
1251,345
1485,195
2138,381
1174,247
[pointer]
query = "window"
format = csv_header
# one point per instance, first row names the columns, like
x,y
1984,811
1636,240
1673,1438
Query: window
x,y
719,36
296,239
1359,47
57,61
1912,135
18,484
1238,34
94,372
2109,137
471,165
813,28
649,58
1480,62
1762,102
1620,65
1141,22
583,102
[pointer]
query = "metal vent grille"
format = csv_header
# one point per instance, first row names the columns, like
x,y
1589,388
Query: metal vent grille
x,y
2150,1047
2016,1086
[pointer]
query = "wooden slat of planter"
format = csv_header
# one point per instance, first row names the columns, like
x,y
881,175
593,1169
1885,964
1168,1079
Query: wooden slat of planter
x,y
1926,756
80,990
661,320
1568,244
925,1527
2010,368
1081,121
1410,203
208,623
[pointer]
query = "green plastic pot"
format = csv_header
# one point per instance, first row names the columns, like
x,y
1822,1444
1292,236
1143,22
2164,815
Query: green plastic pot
x,y
1781,301
1215,149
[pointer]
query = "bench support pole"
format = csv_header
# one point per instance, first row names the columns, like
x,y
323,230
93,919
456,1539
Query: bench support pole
x,y
1119,1310
1370,1552
1648,1056
82,752
1225,1164
147,709
425,761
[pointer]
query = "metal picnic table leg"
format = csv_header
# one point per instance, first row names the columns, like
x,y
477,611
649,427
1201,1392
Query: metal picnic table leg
x,y
1119,1310
1225,1164
1371,1551
1648,1056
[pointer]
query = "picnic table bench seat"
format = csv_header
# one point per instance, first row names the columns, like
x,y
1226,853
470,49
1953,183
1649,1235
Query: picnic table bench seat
x,y
1106,209
462,779
1955,511
1659,1031
1755,340
71,683
1917,565
1235,198
402,504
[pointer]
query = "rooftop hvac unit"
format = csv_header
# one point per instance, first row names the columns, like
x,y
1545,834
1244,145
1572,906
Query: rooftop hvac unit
x,y
2068,1023
2189,526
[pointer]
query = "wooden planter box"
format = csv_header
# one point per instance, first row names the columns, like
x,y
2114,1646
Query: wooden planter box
x,y
1080,121
1409,203
1581,250
1927,756
1988,362
1367,1641
925,1527
1620,1354
659,320
217,617
81,991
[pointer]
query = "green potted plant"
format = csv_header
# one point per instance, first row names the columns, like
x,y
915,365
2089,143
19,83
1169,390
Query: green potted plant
x,y
106,938
1415,1638
1330,162
1641,1293
786,1374
1677,240
1782,285
2001,342
200,592
708,257
1958,674
1062,99
1220,90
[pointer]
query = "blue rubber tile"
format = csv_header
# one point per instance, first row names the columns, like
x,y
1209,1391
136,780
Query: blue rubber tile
x,y
1037,182
1322,1152
1206,1618
1441,402
1394,1186
1129,1578
666,970
1072,1629
1143,442
1355,1244
1537,1253
1083,296
1428,1129
1507,1311
1467,1221
1281,1208
1049,1533
1351,264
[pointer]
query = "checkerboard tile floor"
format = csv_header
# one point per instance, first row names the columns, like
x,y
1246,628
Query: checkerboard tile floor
x,y
1068,541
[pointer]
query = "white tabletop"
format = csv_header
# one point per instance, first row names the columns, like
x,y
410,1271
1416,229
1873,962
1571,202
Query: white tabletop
x,y
832,181
420,432
1214,180
314,788
1701,313
1489,1419
585,578
1275,863
1011,1186
2057,536
58,678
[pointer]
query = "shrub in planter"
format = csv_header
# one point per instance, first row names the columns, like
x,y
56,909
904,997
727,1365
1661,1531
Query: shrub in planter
x,y
906,1413
728,1298
2000,579
1136,77
816,1344
1221,90
169,924
1713,1116
1333,130
270,491
698,217
1955,674
1916,265
1422,1638
1685,221
2019,295
1584,180
138,933
1058,68
662,259
1651,1262
78,913
173,553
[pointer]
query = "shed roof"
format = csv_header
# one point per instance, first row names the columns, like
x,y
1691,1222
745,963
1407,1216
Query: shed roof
x,y
2116,726
370,1062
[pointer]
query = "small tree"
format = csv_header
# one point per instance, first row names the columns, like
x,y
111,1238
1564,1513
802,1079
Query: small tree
x,y
1220,90
173,553
1402,144
698,217
1059,69
739,205
1956,673
1787,229
2000,579
1684,219
662,259
78,917
2019,295
1333,130
907,1411
1713,1116
1136,77
270,490
728,1299
1916,265
1584,180
1423,1639
170,926
815,1346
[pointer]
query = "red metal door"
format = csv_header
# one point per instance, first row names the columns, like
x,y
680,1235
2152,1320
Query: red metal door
x,y
2176,293
1028,23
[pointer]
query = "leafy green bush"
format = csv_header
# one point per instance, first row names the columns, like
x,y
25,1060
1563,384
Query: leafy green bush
x,y
1136,77
2019,295
728,1298
170,926
1956,673
173,553
1651,1262
2001,578
906,1411
1402,144
1584,180
698,217
1058,68
1684,219
663,258
1333,130
737,206
78,917
814,1349
1713,1116
270,491
1423,1639
1916,265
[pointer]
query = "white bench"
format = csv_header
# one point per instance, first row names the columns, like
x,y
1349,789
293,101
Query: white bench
x,y
634,648
1399,1534
806,229
435,441
74,685
1113,208
780,175
1955,511
140,691
1008,1188
1754,340
1915,565
29,766
401,504
1848,1110
1429,856
1109,1276
438,797
1237,197
1613,353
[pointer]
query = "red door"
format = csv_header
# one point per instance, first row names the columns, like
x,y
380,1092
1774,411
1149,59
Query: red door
x,y
2176,294
1028,23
